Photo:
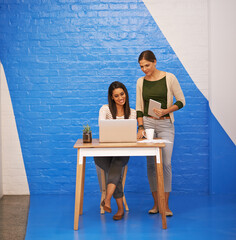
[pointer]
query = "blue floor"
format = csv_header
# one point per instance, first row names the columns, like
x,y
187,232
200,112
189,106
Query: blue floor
x,y
195,217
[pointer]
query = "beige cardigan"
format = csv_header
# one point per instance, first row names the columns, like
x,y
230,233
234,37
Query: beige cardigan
x,y
173,90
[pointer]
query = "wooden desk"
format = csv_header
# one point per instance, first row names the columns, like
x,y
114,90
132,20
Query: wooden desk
x,y
116,149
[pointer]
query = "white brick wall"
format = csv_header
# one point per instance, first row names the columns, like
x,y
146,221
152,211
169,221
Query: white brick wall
x,y
1,190
13,177
185,25
222,49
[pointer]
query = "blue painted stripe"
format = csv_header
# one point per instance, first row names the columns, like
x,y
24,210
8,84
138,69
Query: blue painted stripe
x,y
222,159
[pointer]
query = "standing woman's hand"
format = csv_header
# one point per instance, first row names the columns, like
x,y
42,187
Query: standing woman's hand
x,y
160,112
141,133
163,112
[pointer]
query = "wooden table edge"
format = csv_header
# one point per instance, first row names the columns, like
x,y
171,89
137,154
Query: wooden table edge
x,y
96,144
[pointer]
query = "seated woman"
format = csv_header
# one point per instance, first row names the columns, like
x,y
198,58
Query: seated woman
x,y
117,108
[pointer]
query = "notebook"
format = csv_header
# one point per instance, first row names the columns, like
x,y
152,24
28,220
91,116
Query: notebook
x,y
118,130
153,104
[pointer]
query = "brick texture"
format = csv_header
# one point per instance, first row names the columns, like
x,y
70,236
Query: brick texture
x,y
59,58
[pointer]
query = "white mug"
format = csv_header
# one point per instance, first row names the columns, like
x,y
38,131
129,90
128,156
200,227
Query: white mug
x,y
149,133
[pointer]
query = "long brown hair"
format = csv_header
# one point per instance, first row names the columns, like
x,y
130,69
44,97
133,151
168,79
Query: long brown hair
x,y
111,102
147,55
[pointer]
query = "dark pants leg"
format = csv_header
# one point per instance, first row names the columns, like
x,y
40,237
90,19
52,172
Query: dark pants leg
x,y
113,167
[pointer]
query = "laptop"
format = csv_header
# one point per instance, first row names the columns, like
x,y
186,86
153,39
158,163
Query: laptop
x,y
118,130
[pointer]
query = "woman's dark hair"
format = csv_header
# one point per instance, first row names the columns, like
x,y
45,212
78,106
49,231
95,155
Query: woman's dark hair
x,y
147,55
111,102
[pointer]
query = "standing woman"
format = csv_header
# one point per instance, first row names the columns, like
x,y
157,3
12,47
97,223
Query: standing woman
x,y
118,108
162,87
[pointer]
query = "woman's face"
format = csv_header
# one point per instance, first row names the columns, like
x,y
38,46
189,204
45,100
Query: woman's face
x,y
119,96
147,67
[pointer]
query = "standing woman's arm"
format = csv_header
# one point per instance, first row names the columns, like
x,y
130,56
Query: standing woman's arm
x,y
139,108
179,96
140,128
178,93
161,112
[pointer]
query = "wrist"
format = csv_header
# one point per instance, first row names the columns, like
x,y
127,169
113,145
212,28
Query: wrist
x,y
140,127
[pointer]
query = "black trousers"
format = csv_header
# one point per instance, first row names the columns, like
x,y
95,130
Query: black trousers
x,y
113,167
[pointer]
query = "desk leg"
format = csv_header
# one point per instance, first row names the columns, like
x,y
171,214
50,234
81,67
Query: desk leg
x,y
123,184
103,181
78,191
82,187
161,191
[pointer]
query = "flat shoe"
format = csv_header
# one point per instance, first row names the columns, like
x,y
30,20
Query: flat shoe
x,y
107,209
118,217
169,214
153,211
